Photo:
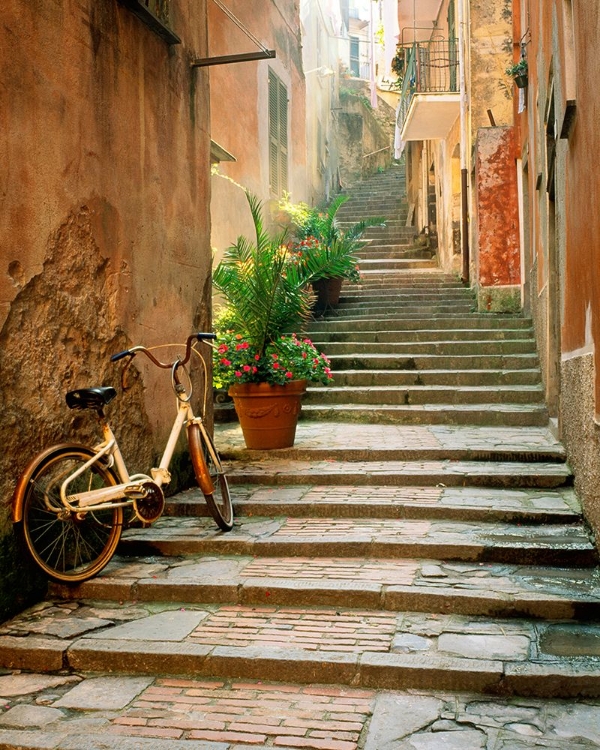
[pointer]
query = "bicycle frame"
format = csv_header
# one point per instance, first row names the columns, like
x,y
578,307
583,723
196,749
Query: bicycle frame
x,y
93,500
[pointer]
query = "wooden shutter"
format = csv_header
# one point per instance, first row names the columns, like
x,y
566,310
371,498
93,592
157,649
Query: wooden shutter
x,y
278,135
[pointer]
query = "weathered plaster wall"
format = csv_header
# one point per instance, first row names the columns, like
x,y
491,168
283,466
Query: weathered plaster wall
x,y
104,232
497,255
240,110
490,54
565,257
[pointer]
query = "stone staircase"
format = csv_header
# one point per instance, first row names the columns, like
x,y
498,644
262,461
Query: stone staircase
x,y
414,574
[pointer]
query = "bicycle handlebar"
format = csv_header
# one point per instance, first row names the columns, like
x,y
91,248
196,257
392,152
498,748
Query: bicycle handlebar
x,y
188,351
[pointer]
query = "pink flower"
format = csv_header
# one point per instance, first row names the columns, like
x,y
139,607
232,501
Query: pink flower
x,y
257,357
223,348
255,369
225,362
289,374
275,356
238,374
246,368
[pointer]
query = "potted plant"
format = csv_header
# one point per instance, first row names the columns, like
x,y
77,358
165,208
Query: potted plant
x,y
519,73
327,252
261,356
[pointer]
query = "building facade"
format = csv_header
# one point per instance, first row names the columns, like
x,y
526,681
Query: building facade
x,y
105,226
455,120
558,135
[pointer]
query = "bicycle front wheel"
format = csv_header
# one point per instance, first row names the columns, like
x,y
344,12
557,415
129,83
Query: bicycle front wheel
x,y
210,477
69,547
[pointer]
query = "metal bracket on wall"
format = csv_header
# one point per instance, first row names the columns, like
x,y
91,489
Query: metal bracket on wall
x,y
267,54
264,54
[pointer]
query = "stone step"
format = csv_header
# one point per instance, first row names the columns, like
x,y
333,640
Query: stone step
x,y
392,250
425,292
319,337
381,442
392,473
493,378
451,322
518,506
417,585
366,649
440,414
350,311
435,362
367,302
440,347
408,265
422,394
552,544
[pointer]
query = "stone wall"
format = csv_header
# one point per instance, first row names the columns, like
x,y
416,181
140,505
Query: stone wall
x,y
105,232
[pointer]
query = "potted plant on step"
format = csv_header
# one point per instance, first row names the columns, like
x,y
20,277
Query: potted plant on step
x,y
519,73
261,355
327,252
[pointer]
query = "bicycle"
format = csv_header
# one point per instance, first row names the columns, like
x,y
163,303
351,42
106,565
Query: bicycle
x,y
69,503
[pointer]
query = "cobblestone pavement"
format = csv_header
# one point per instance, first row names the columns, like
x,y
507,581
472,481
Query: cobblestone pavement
x,y
106,712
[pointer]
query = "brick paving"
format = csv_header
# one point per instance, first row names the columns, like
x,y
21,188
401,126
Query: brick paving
x,y
248,713
317,629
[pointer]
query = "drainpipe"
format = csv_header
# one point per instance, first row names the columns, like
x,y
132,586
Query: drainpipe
x,y
464,136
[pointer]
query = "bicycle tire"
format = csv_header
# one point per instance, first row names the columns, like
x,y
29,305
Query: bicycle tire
x,y
212,482
69,547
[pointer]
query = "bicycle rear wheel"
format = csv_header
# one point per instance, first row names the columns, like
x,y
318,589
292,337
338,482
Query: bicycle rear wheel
x,y
69,547
210,477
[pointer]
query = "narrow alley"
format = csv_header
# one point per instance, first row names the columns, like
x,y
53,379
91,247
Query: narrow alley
x,y
387,208
414,573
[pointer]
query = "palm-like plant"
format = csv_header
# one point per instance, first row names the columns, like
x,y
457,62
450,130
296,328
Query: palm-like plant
x,y
333,255
265,289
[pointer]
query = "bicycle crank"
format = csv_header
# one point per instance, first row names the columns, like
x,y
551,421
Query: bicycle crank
x,y
149,504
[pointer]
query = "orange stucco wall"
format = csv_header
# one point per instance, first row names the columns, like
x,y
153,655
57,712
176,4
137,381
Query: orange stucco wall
x,y
239,109
104,227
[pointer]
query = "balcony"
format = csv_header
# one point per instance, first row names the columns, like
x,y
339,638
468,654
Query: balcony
x,y
430,99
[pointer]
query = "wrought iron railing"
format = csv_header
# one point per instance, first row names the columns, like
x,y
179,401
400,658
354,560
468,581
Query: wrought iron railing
x,y
426,67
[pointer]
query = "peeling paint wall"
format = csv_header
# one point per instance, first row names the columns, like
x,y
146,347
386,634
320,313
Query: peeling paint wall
x,y
104,237
497,255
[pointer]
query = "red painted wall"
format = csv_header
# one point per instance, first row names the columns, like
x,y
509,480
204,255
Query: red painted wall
x,y
498,258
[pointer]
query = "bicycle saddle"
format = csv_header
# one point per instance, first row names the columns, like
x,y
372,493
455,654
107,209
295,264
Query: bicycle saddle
x,y
90,398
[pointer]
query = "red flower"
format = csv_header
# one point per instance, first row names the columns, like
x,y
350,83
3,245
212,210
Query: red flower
x,y
238,374
246,368
289,374
225,362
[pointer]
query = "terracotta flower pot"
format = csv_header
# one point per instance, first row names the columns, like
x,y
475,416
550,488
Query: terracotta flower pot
x,y
328,293
268,414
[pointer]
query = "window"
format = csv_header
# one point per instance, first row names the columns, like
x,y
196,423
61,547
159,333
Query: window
x,y
355,56
278,135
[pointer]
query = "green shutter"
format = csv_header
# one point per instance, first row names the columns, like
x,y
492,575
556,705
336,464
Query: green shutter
x,y
278,135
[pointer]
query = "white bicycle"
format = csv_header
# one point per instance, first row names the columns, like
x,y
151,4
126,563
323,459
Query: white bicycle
x,y
69,503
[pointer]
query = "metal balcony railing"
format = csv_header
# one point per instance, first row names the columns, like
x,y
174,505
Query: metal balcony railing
x,y
426,67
